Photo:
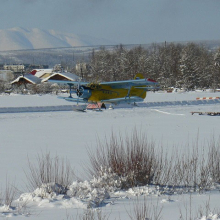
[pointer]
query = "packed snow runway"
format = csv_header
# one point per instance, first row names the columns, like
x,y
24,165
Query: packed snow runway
x,y
46,124
31,104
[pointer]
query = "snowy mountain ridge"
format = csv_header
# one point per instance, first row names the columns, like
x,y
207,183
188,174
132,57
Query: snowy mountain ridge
x,y
34,38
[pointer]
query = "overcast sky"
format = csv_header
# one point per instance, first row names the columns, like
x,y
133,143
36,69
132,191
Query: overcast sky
x,y
121,21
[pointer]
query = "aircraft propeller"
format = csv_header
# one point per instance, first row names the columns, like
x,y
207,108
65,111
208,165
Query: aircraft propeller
x,y
79,91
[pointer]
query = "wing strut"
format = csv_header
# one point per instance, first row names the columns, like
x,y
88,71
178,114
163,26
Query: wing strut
x,y
70,85
129,90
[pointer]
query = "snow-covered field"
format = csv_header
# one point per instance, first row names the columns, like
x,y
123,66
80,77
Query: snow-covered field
x,y
46,124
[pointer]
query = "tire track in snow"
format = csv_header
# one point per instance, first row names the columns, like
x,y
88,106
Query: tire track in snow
x,y
168,113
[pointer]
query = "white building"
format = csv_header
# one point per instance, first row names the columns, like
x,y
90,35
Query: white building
x,y
17,68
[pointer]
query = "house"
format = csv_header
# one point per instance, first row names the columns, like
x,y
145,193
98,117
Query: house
x,y
38,76
62,76
41,73
26,79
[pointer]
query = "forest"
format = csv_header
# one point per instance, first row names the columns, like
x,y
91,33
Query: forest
x,y
180,65
188,66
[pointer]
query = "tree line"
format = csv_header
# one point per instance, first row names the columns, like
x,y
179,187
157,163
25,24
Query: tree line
x,y
188,66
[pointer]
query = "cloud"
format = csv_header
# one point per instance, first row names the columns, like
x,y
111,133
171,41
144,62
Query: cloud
x,y
29,1
129,21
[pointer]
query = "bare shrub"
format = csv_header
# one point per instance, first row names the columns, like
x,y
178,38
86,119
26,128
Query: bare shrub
x,y
201,170
9,194
184,169
138,162
49,170
90,214
42,88
142,211
189,211
132,158
192,169
214,161
2,86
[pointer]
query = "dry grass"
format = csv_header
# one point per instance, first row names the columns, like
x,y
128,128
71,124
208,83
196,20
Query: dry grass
x,y
142,210
49,170
132,158
89,214
136,160
9,194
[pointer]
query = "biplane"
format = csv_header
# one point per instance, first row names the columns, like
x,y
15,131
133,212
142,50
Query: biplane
x,y
115,92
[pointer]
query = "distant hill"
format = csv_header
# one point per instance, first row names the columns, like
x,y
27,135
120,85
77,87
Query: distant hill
x,y
21,38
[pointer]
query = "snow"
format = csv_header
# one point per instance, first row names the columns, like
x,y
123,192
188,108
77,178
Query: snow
x,y
48,124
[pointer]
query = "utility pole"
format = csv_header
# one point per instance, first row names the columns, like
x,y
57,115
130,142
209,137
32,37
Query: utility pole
x,y
81,70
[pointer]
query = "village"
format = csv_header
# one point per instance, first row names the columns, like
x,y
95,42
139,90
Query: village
x,y
23,77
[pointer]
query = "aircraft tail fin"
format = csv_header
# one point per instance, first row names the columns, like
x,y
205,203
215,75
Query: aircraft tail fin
x,y
139,76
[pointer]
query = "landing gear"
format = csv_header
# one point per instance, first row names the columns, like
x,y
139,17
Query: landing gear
x,y
103,105
70,86
95,106
98,107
